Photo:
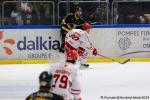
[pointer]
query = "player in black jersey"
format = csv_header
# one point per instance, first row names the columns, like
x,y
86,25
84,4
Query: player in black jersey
x,y
72,20
43,93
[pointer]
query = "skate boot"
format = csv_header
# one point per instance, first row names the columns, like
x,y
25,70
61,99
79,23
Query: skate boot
x,y
84,66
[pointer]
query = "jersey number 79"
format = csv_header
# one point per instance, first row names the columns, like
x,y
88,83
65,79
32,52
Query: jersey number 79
x,y
61,80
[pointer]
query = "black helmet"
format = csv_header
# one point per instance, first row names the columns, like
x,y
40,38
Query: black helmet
x,y
45,78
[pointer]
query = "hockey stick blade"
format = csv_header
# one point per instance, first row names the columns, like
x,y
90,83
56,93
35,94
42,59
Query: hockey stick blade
x,y
127,60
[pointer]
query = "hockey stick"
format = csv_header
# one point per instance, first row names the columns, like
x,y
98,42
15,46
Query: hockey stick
x,y
127,60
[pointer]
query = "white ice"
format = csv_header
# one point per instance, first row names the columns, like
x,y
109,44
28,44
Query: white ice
x,y
105,79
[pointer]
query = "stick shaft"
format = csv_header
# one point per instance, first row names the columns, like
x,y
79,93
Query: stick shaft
x,y
127,60
105,57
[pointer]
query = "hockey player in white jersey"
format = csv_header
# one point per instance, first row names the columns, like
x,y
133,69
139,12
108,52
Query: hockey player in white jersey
x,y
65,80
79,40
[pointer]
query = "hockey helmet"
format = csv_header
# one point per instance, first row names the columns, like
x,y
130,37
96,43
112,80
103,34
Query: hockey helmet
x,y
72,55
86,26
45,78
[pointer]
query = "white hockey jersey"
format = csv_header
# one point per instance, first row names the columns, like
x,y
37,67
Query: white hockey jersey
x,y
65,81
79,38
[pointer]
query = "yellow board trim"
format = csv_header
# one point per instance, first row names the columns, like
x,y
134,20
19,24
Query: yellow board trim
x,y
24,61
98,60
90,60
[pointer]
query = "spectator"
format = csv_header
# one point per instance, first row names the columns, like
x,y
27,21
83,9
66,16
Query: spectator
x,y
132,13
42,13
22,13
99,15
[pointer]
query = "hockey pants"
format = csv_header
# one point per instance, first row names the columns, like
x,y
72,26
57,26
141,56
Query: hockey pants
x,y
82,59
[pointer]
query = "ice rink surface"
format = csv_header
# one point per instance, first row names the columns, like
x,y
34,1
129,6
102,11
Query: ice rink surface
x,y
105,79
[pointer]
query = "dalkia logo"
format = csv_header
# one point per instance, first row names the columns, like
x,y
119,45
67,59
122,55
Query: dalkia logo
x,y
8,51
38,44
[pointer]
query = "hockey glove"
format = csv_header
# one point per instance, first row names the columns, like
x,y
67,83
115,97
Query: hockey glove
x,y
94,51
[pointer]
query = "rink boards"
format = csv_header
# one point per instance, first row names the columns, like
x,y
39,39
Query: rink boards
x,y
39,44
